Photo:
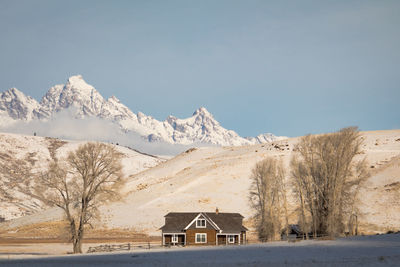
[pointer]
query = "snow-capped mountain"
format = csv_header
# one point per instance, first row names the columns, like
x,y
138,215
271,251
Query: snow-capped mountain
x,y
86,101
265,138
15,105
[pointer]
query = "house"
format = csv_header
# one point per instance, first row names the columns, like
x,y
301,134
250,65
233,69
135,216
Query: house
x,y
203,228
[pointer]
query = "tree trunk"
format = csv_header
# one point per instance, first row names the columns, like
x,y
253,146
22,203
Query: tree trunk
x,y
77,245
75,237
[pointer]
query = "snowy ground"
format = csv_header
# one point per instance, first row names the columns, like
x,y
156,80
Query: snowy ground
x,y
383,250
209,177
18,146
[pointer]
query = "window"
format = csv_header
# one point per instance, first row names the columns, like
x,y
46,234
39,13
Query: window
x,y
201,238
201,223
174,239
231,239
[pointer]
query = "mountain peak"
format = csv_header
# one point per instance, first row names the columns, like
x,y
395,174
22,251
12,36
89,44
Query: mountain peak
x,y
201,127
202,111
114,99
78,82
17,105
14,91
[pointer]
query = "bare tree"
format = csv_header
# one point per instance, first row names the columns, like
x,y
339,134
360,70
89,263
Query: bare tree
x,y
327,179
268,198
89,177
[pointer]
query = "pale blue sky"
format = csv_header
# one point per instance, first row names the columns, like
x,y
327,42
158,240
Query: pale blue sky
x,y
286,67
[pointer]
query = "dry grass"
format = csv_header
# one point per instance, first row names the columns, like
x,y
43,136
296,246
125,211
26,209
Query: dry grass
x,y
57,232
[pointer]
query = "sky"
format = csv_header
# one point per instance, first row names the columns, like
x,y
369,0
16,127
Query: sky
x,y
285,67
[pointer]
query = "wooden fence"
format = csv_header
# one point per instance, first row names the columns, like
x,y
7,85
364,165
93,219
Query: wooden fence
x,y
123,247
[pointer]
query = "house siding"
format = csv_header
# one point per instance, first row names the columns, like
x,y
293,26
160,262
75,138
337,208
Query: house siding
x,y
191,236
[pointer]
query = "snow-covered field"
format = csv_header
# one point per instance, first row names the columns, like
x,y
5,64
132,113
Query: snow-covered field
x,y
382,250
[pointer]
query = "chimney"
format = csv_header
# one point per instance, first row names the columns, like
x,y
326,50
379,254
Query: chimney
x,y
216,210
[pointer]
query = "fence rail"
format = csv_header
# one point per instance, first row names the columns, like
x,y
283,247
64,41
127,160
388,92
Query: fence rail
x,y
122,247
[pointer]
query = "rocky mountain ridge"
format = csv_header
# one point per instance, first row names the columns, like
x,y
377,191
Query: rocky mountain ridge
x,y
86,101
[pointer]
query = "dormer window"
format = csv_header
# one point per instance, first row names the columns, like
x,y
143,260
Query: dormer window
x,y
201,223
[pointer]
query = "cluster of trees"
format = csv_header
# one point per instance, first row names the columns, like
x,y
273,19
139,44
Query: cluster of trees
x,y
268,198
78,184
325,178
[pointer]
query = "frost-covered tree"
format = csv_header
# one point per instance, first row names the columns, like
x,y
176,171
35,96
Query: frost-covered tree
x,y
80,184
268,198
327,178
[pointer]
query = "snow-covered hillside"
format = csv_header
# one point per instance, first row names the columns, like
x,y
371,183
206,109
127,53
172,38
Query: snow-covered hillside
x,y
86,101
205,178
39,149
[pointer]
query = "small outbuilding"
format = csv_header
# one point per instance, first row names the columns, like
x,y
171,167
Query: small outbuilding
x,y
294,233
203,228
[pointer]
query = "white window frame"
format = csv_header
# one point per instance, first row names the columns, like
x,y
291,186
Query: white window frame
x,y
201,220
231,239
201,242
174,239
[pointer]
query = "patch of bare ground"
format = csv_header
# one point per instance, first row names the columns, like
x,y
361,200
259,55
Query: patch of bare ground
x,y
384,164
53,145
392,187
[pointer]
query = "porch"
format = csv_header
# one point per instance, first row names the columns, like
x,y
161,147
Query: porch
x,y
173,239
229,239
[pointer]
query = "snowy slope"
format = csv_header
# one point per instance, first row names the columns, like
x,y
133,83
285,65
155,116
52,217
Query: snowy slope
x,y
18,146
205,178
86,101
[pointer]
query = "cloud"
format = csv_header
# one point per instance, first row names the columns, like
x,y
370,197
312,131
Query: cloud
x,y
63,125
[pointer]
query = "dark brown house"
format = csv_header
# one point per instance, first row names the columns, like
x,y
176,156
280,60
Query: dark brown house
x,y
203,228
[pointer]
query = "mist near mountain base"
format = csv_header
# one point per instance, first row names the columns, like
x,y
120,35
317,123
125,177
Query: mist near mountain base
x,y
65,125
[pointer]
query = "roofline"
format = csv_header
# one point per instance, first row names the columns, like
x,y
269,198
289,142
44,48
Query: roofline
x,y
216,226
197,212
213,224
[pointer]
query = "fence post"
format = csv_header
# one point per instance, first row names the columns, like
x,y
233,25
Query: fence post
x,y
148,243
129,246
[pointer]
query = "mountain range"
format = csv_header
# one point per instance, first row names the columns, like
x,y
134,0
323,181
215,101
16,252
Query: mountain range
x,y
86,101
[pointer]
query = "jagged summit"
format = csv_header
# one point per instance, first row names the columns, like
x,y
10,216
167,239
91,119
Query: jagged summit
x,y
15,105
77,82
202,111
201,127
114,99
14,93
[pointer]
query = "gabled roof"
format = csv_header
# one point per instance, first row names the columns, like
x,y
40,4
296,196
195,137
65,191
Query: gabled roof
x,y
225,222
203,215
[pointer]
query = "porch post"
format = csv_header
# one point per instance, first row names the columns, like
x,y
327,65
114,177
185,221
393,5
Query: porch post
x,y
239,239
163,239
